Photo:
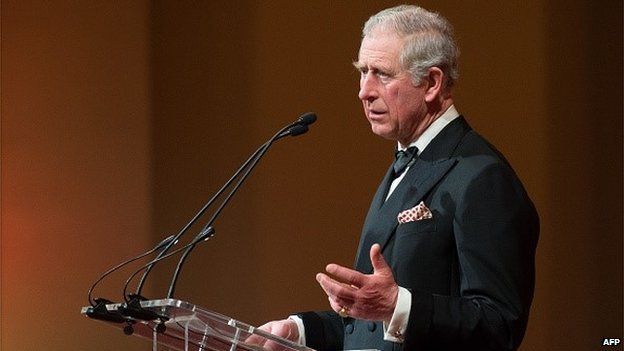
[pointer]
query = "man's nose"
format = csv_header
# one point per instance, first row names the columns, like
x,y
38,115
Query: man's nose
x,y
368,88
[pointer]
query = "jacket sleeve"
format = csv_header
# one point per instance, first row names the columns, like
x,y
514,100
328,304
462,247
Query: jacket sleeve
x,y
323,330
495,230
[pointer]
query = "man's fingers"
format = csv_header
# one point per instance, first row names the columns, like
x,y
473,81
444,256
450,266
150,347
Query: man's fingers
x,y
346,275
335,305
378,261
286,329
255,339
337,291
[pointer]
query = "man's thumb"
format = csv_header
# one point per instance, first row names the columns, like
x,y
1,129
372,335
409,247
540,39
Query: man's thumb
x,y
377,259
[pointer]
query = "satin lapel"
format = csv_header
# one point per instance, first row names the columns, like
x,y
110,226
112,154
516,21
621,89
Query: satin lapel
x,y
381,223
382,192
373,211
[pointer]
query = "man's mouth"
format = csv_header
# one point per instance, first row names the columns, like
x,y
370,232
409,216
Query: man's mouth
x,y
376,113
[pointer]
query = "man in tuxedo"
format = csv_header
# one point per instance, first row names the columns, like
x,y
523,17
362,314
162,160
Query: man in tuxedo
x,y
446,256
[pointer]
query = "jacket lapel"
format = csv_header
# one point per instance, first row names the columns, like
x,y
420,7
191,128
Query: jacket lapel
x,y
382,191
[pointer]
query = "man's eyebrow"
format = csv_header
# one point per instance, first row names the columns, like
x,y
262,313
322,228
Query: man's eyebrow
x,y
362,67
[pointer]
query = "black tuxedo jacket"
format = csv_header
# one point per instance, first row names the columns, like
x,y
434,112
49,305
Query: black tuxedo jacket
x,y
470,268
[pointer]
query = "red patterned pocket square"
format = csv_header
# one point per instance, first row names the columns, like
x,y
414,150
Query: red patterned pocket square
x,y
415,213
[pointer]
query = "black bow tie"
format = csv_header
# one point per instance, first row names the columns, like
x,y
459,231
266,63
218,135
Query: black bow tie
x,y
403,159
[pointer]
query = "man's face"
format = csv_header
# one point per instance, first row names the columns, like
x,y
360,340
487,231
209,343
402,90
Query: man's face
x,y
394,107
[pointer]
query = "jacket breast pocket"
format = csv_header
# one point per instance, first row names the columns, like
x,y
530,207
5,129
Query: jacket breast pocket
x,y
415,227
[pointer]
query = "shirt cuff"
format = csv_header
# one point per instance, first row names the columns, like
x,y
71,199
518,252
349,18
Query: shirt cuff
x,y
395,330
300,327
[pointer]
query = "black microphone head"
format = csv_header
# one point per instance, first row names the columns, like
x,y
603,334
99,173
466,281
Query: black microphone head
x,y
307,118
298,129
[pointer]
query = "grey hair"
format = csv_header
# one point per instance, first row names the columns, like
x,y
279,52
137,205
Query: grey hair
x,y
430,41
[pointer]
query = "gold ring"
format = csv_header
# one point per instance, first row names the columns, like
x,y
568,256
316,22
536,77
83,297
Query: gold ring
x,y
344,312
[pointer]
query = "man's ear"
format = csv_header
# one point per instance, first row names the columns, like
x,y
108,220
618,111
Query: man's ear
x,y
435,81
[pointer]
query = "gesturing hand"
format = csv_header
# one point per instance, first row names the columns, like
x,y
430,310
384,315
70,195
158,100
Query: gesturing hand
x,y
363,296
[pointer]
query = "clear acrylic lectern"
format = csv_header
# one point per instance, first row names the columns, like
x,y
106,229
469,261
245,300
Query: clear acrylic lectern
x,y
188,327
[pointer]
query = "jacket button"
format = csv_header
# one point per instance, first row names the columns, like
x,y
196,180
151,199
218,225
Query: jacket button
x,y
372,326
349,328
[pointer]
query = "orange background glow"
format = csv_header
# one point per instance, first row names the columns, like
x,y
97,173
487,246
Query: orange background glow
x,y
120,119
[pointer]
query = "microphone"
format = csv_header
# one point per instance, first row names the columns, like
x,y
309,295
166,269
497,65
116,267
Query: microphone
x,y
307,118
300,126
298,130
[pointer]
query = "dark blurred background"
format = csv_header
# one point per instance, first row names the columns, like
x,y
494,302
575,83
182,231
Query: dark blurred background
x,y
121,118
